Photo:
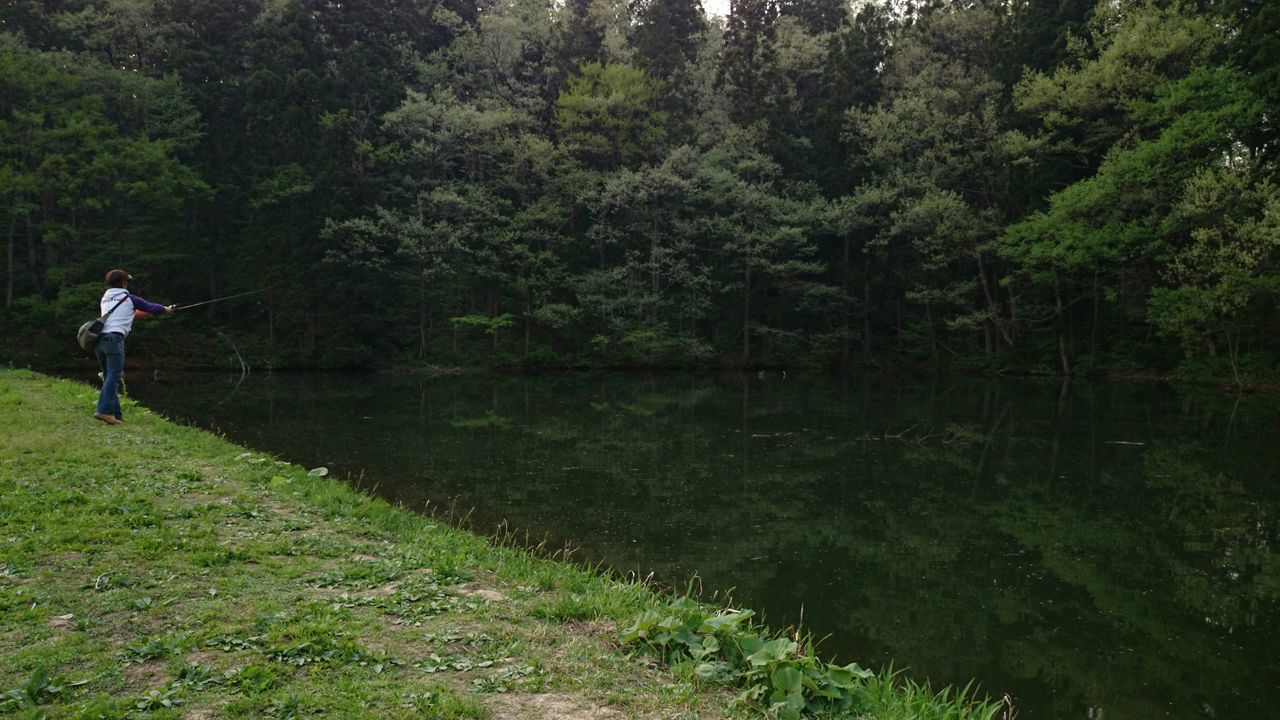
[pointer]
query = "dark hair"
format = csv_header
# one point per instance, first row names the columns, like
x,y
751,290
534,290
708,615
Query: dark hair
x,y
117,278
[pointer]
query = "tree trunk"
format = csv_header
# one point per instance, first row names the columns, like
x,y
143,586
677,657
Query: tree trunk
x,y
211,262
312,333
655,290
1013,313
271,317
933,338
1097,307
848,307
993,307
33,266
866,309
1059,321
1062,354
746,317
422,312
897,321
8,273
693,315
655,279
1233,351
49,204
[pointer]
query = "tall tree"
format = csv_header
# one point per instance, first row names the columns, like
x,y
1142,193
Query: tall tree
x,y
607,116
1169,113
818,16
1254,43
1227,273
748,69
1040,34
936,139
762,234
582,34
91,155
653,300
667,35
851,78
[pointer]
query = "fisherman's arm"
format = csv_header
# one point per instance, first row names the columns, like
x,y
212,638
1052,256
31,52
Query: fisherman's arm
x,y
144,305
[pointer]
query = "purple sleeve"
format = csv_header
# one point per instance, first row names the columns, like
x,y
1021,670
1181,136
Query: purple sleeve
x,y
150,307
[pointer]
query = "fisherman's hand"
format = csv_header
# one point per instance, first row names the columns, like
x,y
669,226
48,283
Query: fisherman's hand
x,y
170,308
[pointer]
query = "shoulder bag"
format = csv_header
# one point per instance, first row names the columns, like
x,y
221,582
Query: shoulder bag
x,y
89,332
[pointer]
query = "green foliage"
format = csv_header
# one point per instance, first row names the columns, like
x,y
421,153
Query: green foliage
x,y
161,646
255,679
748,69
606,117
91,159
887,696
948,181
667,36
783,674
487,325
40,689
1110,231
818,16
523,678
1224,277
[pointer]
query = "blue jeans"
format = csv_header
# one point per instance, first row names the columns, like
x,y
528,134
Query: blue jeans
x,y
110,352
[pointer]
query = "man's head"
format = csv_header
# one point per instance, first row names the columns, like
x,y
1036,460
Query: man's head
x,y
118,278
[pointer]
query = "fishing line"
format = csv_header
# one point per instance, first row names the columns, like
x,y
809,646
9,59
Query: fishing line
x,y
207,302
243,294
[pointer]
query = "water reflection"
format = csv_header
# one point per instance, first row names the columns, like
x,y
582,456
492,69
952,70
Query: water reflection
x,y
1091,550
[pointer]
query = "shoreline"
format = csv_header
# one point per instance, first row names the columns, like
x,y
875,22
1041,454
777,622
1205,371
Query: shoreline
x,y
157,570
146,363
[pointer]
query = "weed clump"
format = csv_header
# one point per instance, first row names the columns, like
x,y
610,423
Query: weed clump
x,y
785,675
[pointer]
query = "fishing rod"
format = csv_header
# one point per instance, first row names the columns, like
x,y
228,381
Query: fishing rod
x,y
208,302
243,294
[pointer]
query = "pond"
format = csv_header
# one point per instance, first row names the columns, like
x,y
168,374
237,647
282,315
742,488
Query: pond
x,y
1095,551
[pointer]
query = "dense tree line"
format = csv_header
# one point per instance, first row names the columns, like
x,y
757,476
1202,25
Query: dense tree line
x,y
1035,184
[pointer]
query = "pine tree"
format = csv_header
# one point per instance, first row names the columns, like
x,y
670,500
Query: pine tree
x,y
667,34
581,36
817,16
1039,34
1255,44
748,71
851,78
667,37
606,116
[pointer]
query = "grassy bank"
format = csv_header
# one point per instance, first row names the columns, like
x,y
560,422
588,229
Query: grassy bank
x,y
155,570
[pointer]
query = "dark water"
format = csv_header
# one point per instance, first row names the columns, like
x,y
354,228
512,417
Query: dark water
x,y
1098,551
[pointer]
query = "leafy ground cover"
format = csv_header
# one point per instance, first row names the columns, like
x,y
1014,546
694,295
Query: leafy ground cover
x,y
152,570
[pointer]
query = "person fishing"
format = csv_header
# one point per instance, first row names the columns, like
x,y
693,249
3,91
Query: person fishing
x,y
118,307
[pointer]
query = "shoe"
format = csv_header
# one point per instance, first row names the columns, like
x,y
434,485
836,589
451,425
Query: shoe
x,y
108,419
119,420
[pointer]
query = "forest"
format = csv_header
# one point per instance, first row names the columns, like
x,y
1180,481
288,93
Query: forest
x,y
1033,186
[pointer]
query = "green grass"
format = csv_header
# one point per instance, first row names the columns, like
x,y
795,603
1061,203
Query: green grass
x,y
152,570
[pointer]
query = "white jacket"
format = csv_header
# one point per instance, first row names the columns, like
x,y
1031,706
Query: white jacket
x,y
121,320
